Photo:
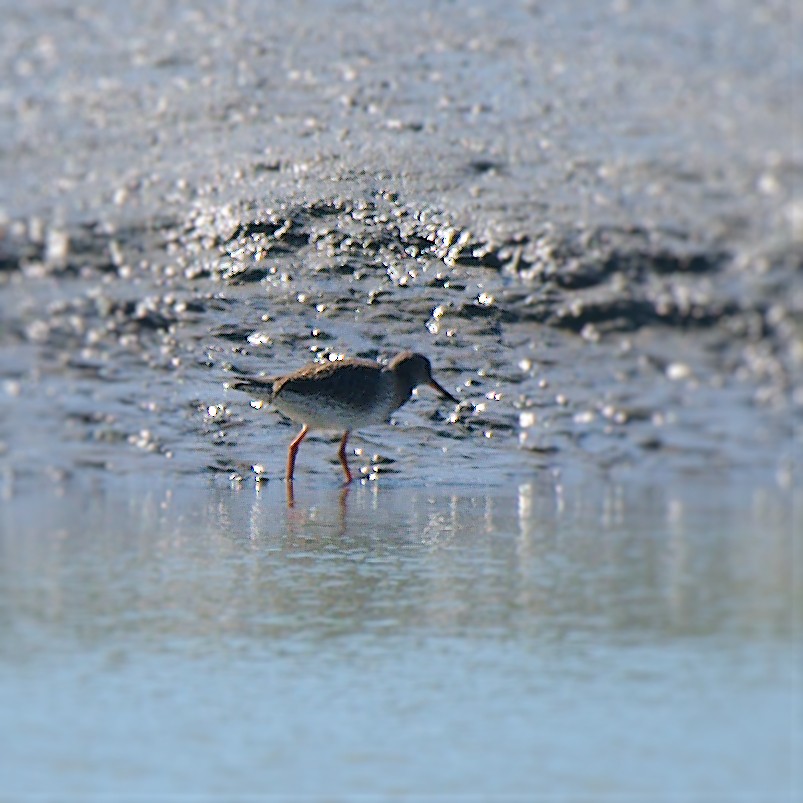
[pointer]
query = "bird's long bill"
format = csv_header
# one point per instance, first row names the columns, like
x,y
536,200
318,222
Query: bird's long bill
x,y
445,393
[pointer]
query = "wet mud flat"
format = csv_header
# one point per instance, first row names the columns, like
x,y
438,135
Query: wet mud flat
x,y
602,265
601,352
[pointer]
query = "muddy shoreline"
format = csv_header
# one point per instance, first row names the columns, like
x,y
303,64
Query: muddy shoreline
x,y
606,265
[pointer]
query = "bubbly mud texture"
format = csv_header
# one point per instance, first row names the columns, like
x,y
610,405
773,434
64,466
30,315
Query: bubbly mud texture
x,y
585,218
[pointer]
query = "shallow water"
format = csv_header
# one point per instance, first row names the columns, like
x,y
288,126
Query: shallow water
x,y
582,641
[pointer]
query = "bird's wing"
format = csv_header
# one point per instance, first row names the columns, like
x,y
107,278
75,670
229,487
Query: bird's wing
x,y
342,379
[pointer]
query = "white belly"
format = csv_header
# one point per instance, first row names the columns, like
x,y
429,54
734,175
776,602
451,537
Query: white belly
x,y
318,413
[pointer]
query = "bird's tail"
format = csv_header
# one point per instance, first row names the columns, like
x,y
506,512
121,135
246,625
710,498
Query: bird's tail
x,y
256,388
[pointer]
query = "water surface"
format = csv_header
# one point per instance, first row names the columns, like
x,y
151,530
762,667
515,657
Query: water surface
x,y
586,641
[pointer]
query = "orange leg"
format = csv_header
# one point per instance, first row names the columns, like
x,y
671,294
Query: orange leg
x,y
342,455
293,451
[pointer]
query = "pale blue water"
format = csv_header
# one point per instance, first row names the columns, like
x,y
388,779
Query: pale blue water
x,y
543,643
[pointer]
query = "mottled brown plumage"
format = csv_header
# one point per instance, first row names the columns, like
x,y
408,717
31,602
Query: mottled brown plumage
x,y
343,395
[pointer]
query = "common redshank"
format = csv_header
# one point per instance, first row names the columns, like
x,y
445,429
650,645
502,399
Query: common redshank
x,y
342,395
